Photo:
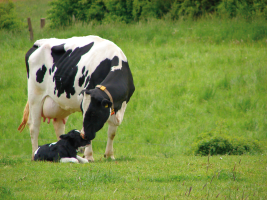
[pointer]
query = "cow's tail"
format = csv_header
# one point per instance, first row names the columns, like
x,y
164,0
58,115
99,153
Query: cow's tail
x,y
25,118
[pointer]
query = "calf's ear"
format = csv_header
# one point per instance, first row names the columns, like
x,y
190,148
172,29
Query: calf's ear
x,y
106,103
65,136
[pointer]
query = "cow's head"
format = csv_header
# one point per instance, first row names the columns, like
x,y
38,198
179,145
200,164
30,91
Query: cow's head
x,y
96,111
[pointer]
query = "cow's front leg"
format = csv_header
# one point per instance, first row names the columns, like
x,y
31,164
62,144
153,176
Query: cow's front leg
x,y
88,152
109,153
59,126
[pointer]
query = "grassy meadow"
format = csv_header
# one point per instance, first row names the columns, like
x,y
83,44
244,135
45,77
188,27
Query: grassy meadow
x,y
191,77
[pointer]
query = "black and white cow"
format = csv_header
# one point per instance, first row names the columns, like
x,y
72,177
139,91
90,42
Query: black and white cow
x,y
87,74
65,150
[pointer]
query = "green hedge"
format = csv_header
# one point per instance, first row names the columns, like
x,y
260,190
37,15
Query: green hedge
x,y
63,12
8,18
244,8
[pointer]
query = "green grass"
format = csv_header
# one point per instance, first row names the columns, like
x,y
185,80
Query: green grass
x,y
190,77
137,177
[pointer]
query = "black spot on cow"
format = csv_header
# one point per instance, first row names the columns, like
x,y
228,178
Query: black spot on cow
x,y
65,67
27,58
115,61
57,52
101,72
40,74
82,79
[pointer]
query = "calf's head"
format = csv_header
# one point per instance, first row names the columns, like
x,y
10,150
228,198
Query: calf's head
x,y
75,139
96,111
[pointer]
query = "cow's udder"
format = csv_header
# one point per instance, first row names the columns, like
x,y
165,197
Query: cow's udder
x,y
52,110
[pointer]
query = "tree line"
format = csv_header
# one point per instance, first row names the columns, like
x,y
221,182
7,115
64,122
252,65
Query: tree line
x,y
66,12
63,12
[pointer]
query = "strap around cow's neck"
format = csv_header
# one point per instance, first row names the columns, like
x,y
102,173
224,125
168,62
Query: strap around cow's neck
x,y
103,88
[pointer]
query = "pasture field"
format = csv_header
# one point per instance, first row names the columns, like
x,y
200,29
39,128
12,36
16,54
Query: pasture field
x,y
190,77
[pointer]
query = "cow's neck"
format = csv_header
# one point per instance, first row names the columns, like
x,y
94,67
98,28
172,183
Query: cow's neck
x,y
104,89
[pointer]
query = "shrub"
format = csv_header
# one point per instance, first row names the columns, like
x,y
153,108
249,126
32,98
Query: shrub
x,y
8,18
63,12
212,143
174,10
244,8
96,11
227,8
119,10
192,9
144,9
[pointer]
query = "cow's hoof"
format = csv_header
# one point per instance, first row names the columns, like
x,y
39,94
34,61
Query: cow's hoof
x,y
90,158
109,157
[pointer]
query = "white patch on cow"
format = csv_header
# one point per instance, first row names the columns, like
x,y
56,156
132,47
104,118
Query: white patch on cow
x,y
77,131
115,120
69,160
36,151
86,103
121,58
117,67
52,144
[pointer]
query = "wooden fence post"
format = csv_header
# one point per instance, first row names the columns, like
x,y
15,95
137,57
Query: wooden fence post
x,y
30,28
42,22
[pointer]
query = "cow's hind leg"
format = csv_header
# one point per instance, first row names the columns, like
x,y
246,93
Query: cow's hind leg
x,y
34,124
59,126
109,153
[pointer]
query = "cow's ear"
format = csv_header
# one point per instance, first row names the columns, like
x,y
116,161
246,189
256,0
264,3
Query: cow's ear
x,y
106,103
85,91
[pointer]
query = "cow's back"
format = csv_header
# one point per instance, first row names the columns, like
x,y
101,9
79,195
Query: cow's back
x,y
62,68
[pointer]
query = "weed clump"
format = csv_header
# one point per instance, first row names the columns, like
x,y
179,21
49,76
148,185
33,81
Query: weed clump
x,y
212,143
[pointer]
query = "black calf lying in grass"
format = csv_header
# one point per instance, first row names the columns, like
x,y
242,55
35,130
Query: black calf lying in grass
x,y
65,150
